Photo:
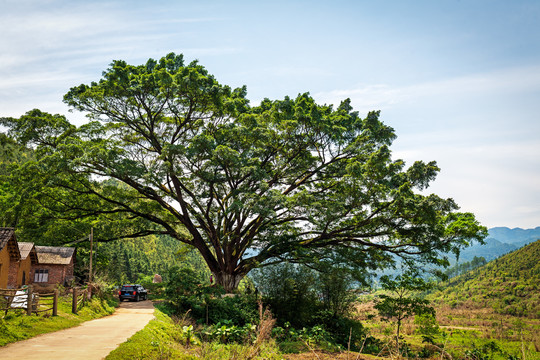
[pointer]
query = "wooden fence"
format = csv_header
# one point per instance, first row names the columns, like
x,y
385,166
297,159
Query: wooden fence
x,y
17,299
13,299
80,296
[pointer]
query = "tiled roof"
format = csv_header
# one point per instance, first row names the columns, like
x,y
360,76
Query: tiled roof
x,y
5,235
7,238
26,248
54,255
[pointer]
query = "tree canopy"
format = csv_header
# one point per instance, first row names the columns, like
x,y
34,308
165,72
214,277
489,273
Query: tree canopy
x,y
169,150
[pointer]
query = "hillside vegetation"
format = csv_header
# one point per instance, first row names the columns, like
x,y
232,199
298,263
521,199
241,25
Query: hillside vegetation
x,y
508,285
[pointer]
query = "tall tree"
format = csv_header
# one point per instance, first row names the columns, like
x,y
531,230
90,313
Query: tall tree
x,y
171,151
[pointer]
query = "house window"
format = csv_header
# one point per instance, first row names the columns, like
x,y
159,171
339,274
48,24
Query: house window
x,y
41,275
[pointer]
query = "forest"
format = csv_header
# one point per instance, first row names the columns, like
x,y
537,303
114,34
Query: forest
x,y
272,225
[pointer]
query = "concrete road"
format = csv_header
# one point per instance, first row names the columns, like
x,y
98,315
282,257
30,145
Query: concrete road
x,y
91,340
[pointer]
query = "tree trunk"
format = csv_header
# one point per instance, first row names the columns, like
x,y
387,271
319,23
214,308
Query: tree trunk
x,y
397,336
229,282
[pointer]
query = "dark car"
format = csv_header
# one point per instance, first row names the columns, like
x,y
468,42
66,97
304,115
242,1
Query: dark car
x,y
132,292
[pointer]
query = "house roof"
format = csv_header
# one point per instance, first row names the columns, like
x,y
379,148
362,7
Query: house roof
x,y
26,248
56,255
7,239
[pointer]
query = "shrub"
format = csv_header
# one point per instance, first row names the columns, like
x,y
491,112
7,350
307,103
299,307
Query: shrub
x,y
186,291
289,291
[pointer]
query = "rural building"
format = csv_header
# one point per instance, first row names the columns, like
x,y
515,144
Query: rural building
x,y
54,266
9,253
24,263
23,268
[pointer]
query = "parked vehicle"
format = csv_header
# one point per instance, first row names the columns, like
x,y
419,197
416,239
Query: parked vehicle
x,y
132,292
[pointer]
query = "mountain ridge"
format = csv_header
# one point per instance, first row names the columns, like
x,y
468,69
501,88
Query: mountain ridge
x,y
501,240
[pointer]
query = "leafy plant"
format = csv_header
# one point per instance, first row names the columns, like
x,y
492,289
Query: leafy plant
x,y
225,332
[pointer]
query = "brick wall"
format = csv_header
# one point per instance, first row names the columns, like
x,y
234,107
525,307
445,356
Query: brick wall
x,y
13,274
58,274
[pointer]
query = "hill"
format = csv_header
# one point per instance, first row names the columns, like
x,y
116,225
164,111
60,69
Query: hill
x,y
509,285
500,241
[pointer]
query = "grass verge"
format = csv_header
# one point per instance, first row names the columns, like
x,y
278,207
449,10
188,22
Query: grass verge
x,y
162,338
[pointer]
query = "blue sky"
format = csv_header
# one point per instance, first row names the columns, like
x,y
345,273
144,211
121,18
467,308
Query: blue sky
x,y
458,80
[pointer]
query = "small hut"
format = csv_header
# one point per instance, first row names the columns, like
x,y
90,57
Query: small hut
x,y
55,266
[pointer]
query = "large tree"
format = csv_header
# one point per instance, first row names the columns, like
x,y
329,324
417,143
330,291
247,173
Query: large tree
x,y
171,151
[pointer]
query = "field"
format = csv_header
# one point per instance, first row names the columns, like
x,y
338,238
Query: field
x,y
464,333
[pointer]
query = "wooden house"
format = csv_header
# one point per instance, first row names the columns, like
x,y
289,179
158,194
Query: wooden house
x,y
23,268
9,253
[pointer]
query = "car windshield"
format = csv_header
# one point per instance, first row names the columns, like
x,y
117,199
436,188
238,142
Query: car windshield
x,y
127,288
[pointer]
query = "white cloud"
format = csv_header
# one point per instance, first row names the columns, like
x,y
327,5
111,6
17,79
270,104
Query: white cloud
x,y
379,96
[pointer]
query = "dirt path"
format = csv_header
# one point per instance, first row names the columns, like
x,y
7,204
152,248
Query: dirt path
x,y
91,340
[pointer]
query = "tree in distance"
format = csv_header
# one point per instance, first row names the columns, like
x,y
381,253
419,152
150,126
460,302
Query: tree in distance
x,y
171,151
400,302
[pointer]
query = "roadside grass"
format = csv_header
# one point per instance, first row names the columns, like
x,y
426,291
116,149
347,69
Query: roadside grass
x,y
162,338
16,325
165,338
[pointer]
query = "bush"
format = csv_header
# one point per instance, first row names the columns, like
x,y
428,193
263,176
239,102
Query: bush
x,y
343,329
239,310
289,291
304,299
186,291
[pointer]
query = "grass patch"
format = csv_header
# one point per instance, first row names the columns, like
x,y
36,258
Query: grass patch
x,y
162,338
16,325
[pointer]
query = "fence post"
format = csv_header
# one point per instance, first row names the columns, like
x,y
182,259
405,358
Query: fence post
x,y
74,302
29,300
55,303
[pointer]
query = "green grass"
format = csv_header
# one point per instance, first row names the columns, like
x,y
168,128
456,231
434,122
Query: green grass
x,y
163,339
16,325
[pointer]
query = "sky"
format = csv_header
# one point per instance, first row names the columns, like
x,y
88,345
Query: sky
x,y
458,80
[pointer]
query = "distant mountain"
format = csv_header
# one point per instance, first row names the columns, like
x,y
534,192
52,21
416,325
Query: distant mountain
x,y
509,285
500,241
516,235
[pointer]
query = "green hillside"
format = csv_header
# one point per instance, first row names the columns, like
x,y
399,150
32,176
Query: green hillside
x,y
509,285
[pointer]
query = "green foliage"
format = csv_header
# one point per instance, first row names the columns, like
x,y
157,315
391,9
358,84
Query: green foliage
x,y
125,261
290,293
171,151
427,324
302,298
239,309
401,300
188,291
226,332
466,266
294,341
485,352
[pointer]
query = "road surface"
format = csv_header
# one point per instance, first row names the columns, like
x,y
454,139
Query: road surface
x,y
92,340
